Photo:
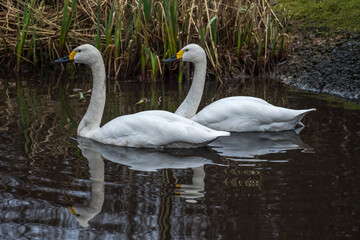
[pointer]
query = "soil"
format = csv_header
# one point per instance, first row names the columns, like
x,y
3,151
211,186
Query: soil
x,y
324,65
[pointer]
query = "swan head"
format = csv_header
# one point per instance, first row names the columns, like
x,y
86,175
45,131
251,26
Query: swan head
x,y
190,53
81,215
86,54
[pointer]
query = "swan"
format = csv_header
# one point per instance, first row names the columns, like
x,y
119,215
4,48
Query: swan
x,y
234,114
147,129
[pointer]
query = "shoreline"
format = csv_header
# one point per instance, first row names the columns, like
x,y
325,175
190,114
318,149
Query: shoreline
x,y
324,65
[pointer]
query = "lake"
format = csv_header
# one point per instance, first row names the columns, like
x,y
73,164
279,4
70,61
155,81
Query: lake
x,y
280,185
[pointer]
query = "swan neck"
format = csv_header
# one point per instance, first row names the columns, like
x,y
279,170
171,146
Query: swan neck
x,y
92,118
189,106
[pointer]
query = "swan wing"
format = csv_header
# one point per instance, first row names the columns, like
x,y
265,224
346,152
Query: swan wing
x,y
156,129
246,114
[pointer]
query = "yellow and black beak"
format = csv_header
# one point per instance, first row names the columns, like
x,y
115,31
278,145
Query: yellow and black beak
x,y
66,59
176,57
73,211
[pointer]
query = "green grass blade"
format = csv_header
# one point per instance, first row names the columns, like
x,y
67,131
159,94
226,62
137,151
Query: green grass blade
x,y
66,21
23,33
147,9
273,45
209,23
108,27
202,36
259,47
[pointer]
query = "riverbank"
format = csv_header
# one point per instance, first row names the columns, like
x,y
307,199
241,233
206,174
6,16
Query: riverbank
x,y
324,54
324,65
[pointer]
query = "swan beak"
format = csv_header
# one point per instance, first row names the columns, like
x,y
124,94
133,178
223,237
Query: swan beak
x,y
66,59
72,210
63,60
172,59
176,57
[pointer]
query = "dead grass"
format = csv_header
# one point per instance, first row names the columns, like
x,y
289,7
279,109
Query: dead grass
x,y
135,36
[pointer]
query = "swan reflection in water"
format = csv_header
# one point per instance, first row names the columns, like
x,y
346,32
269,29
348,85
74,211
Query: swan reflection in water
x,y
82,213
247,145
148,160
151,160
239,146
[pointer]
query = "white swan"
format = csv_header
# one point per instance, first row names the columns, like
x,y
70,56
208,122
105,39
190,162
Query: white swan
x,y
238,114
148,129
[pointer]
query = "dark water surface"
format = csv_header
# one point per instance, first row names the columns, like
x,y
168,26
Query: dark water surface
x,y
248,186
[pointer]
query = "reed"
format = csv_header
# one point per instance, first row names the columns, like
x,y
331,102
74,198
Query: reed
x,y
3,43
23,29
97,37
108,27
66,21
134,36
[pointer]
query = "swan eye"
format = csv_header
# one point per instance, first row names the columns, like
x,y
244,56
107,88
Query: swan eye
x,y
79,51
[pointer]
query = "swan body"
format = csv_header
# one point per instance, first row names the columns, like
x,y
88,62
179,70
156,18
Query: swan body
x,y
236,114
148,129
155,129
248,114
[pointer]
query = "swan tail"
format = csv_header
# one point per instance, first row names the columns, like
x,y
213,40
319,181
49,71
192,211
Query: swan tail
x,y
216,134
222,133
301,115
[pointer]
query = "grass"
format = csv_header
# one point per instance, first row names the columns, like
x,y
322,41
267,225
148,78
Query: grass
x,y
23,28
326,16
67,16
135,36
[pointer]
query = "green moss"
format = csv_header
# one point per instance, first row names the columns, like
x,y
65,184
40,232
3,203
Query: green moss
x,y
324,16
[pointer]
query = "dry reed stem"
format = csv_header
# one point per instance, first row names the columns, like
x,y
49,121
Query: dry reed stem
x,y
193,17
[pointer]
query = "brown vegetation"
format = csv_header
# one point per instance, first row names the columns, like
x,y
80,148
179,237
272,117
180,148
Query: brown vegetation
x,y
134,36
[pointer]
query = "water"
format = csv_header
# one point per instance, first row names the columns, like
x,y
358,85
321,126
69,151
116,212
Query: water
x,y
249,186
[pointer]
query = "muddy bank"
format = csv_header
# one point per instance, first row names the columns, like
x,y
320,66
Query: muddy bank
x,y
324,65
